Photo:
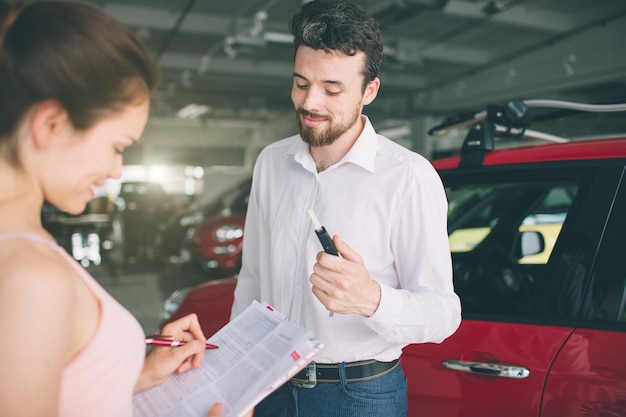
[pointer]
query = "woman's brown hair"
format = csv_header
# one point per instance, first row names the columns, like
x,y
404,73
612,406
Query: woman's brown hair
x,y
71,52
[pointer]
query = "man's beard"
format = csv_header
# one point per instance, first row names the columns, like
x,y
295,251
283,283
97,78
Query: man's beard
x,y
317,138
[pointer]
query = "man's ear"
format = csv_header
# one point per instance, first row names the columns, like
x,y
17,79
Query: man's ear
x,y
50,119
371,91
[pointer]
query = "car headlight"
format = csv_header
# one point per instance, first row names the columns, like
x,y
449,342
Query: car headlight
x,y
172,303
229,232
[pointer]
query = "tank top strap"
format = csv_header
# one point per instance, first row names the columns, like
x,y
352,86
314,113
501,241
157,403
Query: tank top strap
x,y
32,237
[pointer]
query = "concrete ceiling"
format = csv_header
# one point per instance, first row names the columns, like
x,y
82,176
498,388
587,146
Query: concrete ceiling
x,y
441,56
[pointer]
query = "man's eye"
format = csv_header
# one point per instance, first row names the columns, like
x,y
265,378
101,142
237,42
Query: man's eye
x,y
333,93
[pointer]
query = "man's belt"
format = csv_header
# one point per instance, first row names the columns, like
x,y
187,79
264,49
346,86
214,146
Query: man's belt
x,y
328,373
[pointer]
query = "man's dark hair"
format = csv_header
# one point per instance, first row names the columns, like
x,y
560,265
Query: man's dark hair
x,y
341,26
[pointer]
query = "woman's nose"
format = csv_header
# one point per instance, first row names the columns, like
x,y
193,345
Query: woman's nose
x,y
116,170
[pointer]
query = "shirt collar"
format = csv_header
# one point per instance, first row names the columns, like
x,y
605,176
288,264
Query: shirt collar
x,y
362,153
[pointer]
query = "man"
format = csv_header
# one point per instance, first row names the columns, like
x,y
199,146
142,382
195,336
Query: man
x,y
391,284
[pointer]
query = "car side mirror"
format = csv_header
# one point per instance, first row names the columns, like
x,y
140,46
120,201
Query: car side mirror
x,y
531,243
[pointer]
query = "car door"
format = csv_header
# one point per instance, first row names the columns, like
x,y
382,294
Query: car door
x,y
513,324
588,377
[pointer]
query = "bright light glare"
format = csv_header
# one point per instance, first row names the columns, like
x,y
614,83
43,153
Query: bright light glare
x,y
157,173
198,172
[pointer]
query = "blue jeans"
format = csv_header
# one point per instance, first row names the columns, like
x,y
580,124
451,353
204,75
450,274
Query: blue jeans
x,y
381,397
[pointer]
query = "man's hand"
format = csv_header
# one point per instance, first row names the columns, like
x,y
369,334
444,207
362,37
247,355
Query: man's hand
x,y
343,284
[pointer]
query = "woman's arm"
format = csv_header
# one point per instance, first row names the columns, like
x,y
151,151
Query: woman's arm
x,y
38,309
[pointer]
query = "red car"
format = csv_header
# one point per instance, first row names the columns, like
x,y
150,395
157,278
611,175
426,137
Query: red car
x,y
538,240
215,244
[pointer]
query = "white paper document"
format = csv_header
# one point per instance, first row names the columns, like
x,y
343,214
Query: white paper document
x,y
259,350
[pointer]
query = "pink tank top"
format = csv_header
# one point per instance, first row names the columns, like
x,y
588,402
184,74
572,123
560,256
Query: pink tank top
x,y
99,381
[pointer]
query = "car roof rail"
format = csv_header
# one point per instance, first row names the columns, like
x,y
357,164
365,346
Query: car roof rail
x,y
508,121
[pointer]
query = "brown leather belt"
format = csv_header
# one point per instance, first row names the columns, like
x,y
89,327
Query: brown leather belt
x,y
355,372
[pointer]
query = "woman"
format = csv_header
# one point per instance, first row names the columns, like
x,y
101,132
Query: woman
x,y
75,89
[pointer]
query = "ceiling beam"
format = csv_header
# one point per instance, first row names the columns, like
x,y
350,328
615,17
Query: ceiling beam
x,y
589,56
164,19
521,16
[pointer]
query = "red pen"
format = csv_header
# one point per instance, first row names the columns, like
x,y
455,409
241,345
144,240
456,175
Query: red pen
x,y
164,341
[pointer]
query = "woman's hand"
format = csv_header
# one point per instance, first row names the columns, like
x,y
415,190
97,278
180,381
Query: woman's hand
x,y
217,408
163,361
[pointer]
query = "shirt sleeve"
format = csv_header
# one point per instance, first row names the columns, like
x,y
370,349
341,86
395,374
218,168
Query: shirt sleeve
x,y
424,306
248,283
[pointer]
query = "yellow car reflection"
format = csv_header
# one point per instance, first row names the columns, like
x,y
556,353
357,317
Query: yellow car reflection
x,y
464,240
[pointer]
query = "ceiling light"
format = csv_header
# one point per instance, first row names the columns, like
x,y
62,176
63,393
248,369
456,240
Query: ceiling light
x,y
193,111
278,37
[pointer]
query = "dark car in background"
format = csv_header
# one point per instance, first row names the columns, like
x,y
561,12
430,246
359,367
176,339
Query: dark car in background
x,y
114,230
145,206
173,232
91,236
538,241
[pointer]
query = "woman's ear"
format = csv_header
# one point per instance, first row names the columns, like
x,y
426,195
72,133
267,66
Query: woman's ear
x,y
50,119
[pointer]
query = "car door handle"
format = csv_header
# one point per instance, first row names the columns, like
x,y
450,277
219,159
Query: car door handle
x,y
486,368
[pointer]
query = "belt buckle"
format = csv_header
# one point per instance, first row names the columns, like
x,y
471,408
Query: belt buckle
x,y
312,374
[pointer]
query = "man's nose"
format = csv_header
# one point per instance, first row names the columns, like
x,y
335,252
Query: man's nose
x,y
313,99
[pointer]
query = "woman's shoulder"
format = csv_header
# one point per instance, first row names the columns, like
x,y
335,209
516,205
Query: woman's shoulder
x,y
39,291
34,263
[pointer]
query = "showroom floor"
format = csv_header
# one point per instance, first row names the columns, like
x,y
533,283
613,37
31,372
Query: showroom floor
x,y
142,288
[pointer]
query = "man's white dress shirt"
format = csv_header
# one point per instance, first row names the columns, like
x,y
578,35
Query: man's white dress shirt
x,y
389,205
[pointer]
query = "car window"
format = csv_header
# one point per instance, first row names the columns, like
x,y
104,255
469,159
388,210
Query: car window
x,y
608,279
502,235
523,249
235,199
474,210
547,218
